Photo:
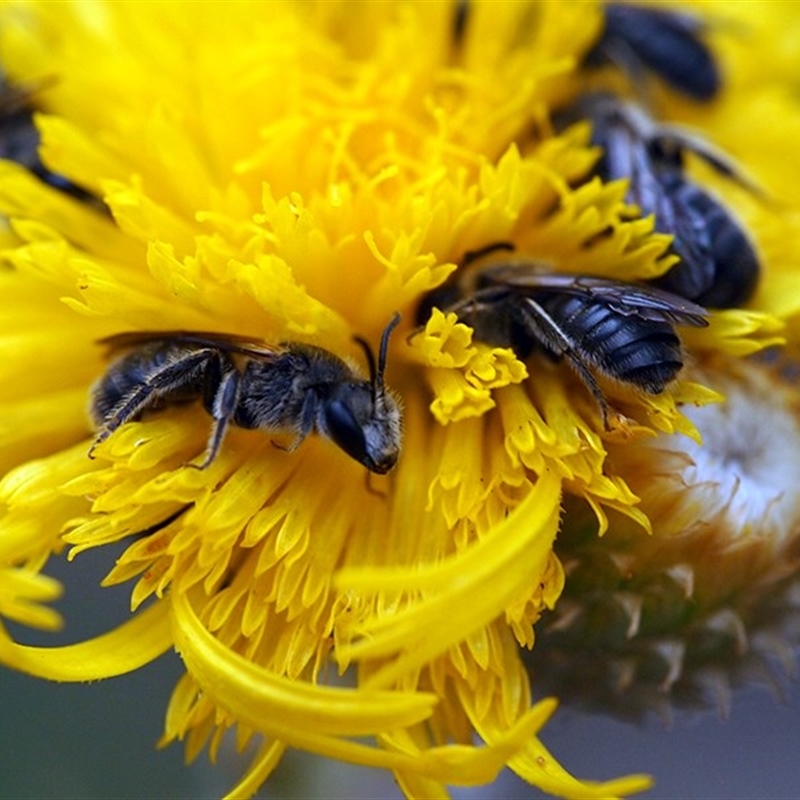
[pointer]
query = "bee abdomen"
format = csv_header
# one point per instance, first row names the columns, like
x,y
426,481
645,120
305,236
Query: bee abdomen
x,y
650,363
645,353
133,370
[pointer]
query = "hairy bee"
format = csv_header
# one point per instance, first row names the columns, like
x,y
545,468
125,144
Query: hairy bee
x,y
665,42
292,387
601,327
718,265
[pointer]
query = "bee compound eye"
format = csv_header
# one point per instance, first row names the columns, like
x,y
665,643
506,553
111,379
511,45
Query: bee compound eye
x,y
345,431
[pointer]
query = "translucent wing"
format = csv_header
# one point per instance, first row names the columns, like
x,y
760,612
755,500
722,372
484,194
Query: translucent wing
x,y
647,302
229,342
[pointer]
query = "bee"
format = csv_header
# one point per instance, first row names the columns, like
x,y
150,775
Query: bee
x,y
19,140
622,331
666,42
718,265
292,387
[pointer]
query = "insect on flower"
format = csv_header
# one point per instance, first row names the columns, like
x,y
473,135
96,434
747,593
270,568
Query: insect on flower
x,y
719,267
19,139
665,42
622,331
291,387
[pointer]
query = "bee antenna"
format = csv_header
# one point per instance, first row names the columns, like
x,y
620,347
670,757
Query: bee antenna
x,y
393,323
376,373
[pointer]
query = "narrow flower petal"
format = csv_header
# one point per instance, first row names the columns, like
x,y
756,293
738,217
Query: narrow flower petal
x,y
128,647
266,759
22,594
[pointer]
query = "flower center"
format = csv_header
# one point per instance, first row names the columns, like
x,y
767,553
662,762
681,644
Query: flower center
x,y
748,466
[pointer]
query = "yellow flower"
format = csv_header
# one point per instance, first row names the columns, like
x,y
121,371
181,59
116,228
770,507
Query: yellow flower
x,y
709,602
299,173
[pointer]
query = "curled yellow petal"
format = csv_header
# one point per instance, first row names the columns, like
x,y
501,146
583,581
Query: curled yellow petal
x,y
465,592
22,593
276,705
133,644
536,765
316,718
264,762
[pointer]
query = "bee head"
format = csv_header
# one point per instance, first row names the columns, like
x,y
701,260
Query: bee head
x,y
366,430
364,418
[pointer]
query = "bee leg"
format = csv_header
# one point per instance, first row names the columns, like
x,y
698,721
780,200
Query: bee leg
x,y
585,374
222,409
545,330
678,137
382,493
473,255
469,309
292,446
308,413
159,384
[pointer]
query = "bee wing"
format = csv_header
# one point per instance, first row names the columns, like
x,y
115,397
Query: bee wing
x,y
647,302
229,342
650,302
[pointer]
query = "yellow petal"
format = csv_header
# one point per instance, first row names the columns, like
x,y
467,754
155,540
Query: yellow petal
x,y
462,593
130,646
